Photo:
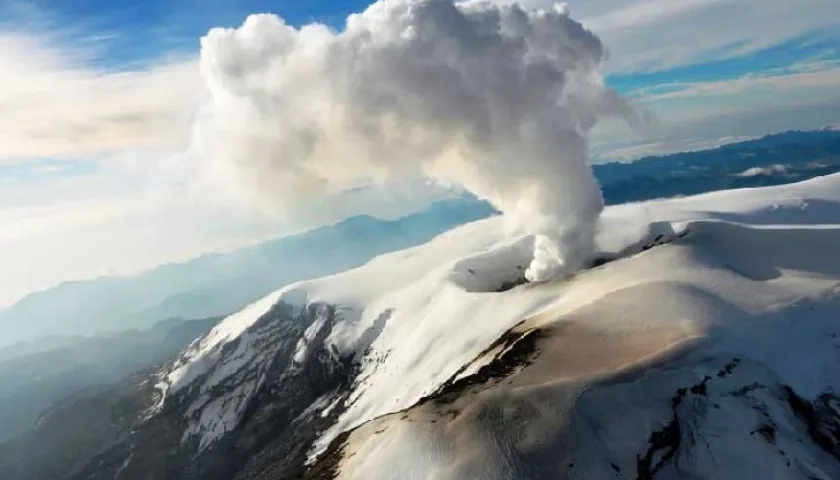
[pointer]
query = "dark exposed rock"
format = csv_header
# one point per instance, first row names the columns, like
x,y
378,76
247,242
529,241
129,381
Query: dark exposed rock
x,y
822,417
740,392
700,388
510,285
516,349
768,432
664,443
327,466
271,439
729,367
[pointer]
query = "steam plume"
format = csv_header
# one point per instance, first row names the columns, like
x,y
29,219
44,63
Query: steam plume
x,y
496,99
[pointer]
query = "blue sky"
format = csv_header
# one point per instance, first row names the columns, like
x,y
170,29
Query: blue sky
x,y
98,95
724,41
811,47
139,32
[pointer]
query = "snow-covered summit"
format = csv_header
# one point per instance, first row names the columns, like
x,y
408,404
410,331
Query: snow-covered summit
x,y
412,319
396,365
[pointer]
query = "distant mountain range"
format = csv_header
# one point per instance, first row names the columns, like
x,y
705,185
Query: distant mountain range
x,y
218,284
32,382
781,158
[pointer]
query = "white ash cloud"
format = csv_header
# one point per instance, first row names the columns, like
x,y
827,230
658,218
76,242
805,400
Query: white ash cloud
x,y
495,99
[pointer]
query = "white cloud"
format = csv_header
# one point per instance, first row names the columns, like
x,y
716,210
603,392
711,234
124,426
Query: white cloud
x,y
814,79
762,171
644,13
711,30
704,114
119,219
497,100
53,103
645,35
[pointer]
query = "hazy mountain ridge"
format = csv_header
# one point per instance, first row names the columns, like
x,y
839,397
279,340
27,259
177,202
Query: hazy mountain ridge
x,y
803,154
32,383
217,284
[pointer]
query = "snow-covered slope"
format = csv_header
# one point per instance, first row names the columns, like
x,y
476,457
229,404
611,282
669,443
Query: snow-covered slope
x,y
691,301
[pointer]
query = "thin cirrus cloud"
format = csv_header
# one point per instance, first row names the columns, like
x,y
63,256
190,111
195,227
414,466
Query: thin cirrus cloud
x,y
649,35
55,104
801,96
816,81
709,71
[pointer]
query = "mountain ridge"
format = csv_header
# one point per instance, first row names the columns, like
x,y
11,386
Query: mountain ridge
x,y
713,309
115,304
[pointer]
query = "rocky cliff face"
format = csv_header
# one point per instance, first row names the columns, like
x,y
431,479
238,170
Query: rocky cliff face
x,y
258,421
266,413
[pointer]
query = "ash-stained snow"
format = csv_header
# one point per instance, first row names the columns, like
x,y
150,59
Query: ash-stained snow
x,y
412,319
679,362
